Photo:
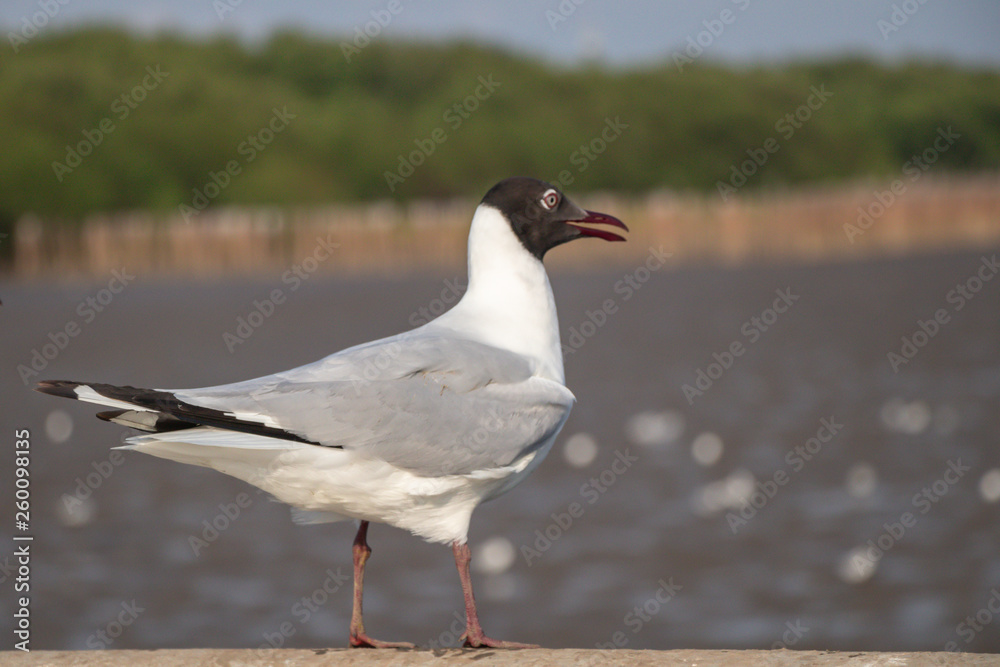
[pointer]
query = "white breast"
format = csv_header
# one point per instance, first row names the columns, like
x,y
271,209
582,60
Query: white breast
x,y
509,302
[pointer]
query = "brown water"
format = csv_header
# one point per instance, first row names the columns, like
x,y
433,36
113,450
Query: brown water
x,y
658,530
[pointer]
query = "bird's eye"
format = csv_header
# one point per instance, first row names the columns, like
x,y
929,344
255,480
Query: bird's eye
x,y
550,199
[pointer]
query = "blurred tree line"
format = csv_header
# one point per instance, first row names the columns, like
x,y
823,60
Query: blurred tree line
x,y
102,120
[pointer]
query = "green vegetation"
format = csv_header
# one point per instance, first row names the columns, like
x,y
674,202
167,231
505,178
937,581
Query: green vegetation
x,y
207,108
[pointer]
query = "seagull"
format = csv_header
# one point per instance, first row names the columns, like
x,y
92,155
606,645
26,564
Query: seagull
x,y
414,430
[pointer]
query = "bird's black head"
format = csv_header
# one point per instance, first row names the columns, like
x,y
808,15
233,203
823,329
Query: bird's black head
x,y
540,214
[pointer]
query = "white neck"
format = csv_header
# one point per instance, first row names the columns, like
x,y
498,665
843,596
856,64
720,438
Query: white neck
x,y
509,301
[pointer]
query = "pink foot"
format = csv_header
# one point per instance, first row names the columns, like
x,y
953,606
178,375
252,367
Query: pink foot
x,y
482,641
364,641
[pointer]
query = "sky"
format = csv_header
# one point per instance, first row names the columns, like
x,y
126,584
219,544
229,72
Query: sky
x,y
572,31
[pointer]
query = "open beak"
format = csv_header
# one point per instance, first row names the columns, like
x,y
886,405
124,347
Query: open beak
x,y
594,218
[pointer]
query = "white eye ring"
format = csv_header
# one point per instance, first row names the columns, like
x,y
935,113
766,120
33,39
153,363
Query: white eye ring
x,y
550,199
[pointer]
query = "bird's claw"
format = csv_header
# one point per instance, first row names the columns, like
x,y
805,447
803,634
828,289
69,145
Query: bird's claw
x,y
362,640
482,641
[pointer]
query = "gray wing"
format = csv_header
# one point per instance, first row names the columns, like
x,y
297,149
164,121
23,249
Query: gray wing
x,y
425,401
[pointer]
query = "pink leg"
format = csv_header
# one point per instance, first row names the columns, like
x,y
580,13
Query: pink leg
x,y
359,639
474,636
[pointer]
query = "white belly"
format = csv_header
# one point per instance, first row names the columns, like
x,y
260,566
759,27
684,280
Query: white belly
x,y
344,485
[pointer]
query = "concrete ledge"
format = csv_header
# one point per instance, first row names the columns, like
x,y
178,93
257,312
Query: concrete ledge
x,y
588,657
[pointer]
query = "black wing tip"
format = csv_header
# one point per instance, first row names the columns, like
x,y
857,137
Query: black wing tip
x,y
175,414
63,388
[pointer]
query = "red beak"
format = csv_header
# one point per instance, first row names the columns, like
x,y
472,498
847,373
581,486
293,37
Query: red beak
x,y
595,218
